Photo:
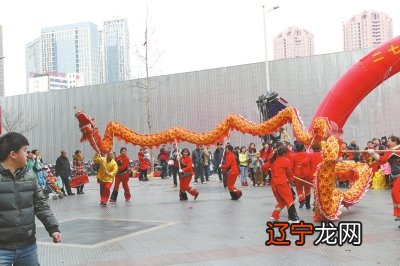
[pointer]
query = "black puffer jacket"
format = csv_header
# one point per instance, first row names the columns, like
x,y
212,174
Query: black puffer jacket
x,y
63,167
21,198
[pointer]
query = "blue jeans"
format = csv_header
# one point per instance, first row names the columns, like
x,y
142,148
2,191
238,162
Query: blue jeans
x,y
243,173
207,171
26,256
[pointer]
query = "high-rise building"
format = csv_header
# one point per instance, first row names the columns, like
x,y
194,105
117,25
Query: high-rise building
x,y
1,64
116,57
294,42
33,60
101,58
367,29
71,48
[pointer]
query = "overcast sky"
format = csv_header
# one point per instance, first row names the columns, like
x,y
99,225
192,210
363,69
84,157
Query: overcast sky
x,y
188,34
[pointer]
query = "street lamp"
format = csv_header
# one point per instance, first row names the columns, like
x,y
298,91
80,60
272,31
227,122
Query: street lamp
x,y
266,44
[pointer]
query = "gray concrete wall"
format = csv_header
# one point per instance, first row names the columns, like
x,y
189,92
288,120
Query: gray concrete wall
x,y
199,100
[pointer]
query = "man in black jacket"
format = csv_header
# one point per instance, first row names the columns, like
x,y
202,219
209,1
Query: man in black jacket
x,y
21,199
63,169
353,146
218,159
198,163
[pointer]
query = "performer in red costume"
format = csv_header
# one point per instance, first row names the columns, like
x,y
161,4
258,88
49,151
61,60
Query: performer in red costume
x,y
230,166
144,164
394,160
281,169
369,159
301,169
185,176
122,176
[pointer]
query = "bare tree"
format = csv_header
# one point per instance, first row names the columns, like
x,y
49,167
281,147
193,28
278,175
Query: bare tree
x,y
15,122
145,85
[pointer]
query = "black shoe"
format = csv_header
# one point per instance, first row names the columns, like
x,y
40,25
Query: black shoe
x,y
114,196
292,213
183,196
70,194
235,195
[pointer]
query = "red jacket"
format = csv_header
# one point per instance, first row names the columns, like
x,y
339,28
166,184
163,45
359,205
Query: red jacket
x,y
230,163
163,156
123,164
144,163
281,170
187,165
265,154
301,164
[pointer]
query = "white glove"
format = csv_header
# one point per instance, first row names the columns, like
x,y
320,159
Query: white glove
x,y
371,151
375,156
180,171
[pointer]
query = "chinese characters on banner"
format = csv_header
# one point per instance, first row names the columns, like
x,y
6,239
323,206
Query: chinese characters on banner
x,y
329,233
378,56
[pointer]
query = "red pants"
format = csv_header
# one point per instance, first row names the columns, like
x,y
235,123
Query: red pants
x,y
396,196
302,188
184,185
124,179
230,180
104,191
284,197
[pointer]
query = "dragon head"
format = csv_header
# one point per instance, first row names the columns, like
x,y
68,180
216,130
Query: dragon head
x,y
86,125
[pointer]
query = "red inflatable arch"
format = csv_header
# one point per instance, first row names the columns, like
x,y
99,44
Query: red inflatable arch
x,y
359,81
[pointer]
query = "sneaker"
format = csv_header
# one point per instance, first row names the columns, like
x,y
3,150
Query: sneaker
x,y
294,221
261,185
112,200
397,219
203,182
256,185
102,204
195,182
272,219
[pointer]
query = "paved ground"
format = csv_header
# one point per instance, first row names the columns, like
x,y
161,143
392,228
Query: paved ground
x,y
155,228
